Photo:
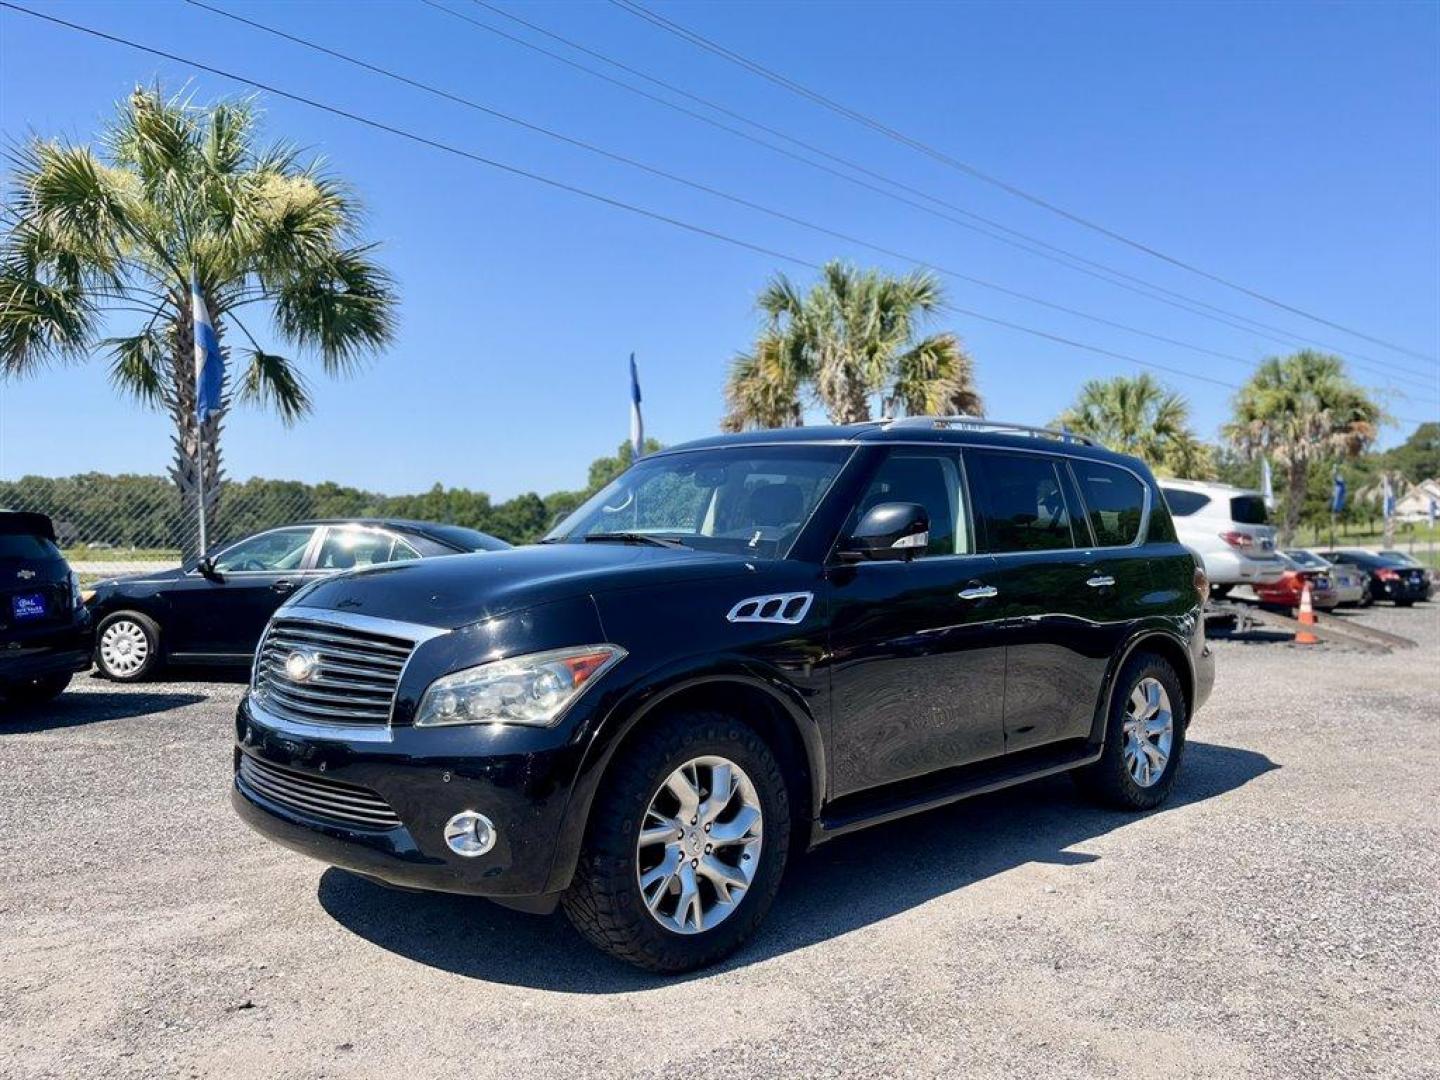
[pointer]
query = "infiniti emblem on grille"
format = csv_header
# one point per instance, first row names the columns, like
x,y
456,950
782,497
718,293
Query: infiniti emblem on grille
x,y
300,666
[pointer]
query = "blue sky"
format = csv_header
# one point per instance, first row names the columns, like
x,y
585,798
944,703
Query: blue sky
x,y
1293,148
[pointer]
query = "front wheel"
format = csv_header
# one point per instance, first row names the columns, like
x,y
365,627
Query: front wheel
x,y
1144,738
685,847
36,691
127,646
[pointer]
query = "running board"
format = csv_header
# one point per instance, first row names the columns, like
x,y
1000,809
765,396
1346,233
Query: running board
x,y
878,805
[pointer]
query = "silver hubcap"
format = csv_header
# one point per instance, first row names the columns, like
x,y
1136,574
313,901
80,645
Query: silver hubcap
x,y
699,845
124,648
1149,730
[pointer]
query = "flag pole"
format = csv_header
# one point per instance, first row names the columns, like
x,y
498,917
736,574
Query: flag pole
x,y
200,481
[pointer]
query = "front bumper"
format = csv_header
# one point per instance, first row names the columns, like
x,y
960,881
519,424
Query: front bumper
x,y
519,778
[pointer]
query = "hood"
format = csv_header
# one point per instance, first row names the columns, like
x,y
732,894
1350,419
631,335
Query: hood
x,y
145,577
460,589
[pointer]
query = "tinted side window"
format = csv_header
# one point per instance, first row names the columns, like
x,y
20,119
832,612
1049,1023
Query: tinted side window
x,y
932,479
1184,503
283,549
346,548
1248,510
1019,504
1115,501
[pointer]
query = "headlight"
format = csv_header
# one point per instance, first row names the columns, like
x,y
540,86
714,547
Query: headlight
x,y
534,689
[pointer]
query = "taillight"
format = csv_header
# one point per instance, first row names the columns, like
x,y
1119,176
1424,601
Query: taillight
x,y
1202,585
1238,539
1387,575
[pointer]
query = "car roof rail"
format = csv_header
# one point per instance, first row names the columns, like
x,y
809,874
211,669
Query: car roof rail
x,y
980,423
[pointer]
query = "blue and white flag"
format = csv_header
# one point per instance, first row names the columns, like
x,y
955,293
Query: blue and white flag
x,y
1389,490
637,424
1267,484
1337,499
209,364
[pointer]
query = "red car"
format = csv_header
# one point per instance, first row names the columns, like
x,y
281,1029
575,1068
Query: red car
x,y
1286,592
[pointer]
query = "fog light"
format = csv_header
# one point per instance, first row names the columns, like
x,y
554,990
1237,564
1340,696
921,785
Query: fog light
x,y
470,834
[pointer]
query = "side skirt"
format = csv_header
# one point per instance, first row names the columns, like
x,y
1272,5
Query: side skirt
x,y
915,796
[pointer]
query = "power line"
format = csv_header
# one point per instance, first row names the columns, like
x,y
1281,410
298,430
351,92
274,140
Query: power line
x,y
708,189
1006,234
672,27
435,144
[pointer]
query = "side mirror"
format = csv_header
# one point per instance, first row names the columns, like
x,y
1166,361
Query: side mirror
x,y
206,566
889,531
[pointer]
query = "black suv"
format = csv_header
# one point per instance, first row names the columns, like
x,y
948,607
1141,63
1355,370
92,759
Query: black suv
x,y
45,632
741,647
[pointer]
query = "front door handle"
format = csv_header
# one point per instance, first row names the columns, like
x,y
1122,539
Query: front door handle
x,y
1100,581
282,587
978,592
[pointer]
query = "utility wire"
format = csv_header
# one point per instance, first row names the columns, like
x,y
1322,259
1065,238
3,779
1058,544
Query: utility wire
x,y
1003,233
435,144
702,42
709,190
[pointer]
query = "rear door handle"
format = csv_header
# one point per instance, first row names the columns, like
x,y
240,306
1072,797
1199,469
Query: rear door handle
x,y
282,587
1100,581
978,592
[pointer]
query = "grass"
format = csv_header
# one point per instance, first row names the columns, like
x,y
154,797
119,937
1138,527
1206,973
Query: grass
x,y
86,553
1421,540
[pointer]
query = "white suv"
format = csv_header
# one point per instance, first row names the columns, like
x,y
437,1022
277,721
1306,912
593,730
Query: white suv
x,y
1228,528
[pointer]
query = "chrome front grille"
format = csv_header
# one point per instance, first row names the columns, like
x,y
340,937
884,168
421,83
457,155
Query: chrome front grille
x,y
328,673
330,800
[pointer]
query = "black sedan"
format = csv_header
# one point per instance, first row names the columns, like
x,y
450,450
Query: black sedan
x,y
213,610
1389,579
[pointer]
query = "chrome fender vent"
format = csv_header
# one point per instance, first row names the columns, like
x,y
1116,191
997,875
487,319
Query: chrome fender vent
x,y
788,608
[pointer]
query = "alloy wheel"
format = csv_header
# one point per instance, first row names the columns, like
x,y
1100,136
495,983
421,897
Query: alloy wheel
x,y
124,647
699,845
1149,731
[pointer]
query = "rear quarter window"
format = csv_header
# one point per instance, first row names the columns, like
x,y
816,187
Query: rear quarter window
x,y
1114,501
1184,503
1249,510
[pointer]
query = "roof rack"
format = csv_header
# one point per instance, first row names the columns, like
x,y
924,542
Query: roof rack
x,y
979,423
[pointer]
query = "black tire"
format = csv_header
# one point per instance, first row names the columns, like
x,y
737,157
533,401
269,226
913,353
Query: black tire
x,y
1368,599
1404,603
35,691
151,631
1219,592
1108,781
604,900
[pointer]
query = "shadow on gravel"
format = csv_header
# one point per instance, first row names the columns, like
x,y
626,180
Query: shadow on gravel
x,y
844,885
76,710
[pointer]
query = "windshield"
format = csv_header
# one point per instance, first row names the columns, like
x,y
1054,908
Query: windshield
x,y
745,500
1307,559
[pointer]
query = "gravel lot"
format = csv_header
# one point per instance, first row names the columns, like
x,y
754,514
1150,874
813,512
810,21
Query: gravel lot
x,y
1281,917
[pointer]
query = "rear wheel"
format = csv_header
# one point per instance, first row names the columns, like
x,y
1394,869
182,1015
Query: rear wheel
x,y
686,844
1144,737
127,646
36,691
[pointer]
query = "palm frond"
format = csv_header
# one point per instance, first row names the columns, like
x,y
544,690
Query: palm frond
x,y
343,307
138,365
274,382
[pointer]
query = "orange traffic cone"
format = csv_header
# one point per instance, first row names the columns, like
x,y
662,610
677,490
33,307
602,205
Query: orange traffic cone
x,y
1307,618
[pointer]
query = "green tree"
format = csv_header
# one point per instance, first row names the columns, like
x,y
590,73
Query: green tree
x,y
1418,457
856,334
174,189
1141,417
1299,410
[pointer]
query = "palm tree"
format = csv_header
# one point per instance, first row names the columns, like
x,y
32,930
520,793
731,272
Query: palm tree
x,y
853,336
92,236
1142,417
1301,409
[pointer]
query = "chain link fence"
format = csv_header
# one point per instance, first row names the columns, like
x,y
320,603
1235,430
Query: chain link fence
x,y
119,524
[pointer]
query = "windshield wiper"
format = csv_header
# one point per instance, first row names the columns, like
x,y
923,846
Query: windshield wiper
x,y
632,538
